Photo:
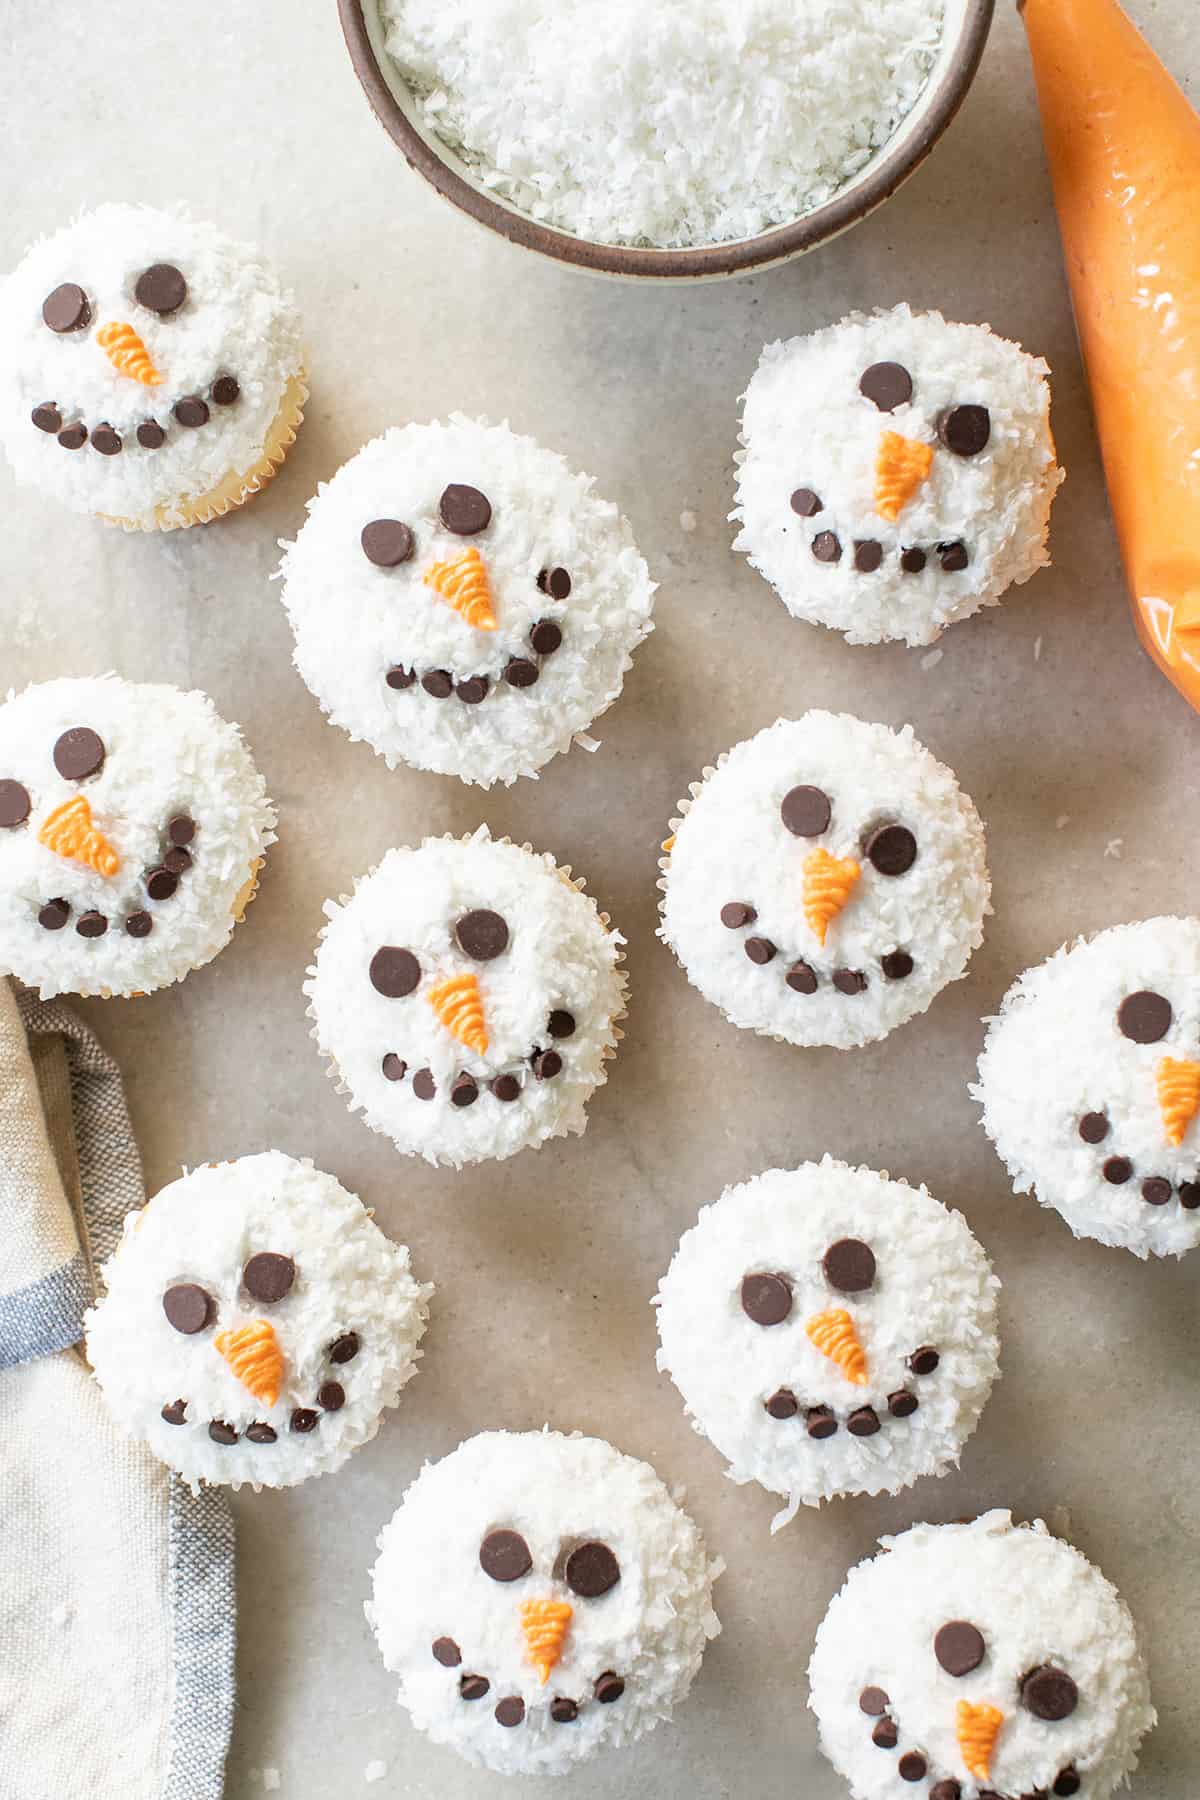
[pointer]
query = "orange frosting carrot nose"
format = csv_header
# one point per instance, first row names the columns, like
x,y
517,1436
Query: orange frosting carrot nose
x,y
127,353
833,1334
459,1007
977,1728
901,465
828,884
464,585
253,1353
1178,1085
70,833
544,1626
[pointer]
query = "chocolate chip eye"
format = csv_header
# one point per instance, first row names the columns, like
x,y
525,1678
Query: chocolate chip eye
x,y
591,1569
464,510
1048,1693
892,849
767,1299
959,1646
269,1276
387,542
66,309
555,582
394,972
189,1308
78,753
887,385
965,429
849,1266
806,811
482,934
504,1555
15,804
161,289
1145,1017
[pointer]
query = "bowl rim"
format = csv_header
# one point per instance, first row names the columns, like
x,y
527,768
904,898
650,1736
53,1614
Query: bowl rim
x,y
852,203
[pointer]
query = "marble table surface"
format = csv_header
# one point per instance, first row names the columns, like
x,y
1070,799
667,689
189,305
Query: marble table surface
x,y
1080,758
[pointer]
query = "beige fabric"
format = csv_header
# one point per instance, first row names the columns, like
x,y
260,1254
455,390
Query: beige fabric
x,y
39,1232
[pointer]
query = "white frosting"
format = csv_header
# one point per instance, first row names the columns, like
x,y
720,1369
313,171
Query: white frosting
x,y
731,845
649,1629
933,1287
354,621
236,320
805,424
560,955
1055,1052
1037,1602
349,1278
166,753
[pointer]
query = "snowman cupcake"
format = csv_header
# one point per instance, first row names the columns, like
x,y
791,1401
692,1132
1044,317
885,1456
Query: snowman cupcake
x,y
541,1598
825,882
132,828
980,1661
255,1323
1090,1085
152,370
897,473
463,601
831,1331
468,994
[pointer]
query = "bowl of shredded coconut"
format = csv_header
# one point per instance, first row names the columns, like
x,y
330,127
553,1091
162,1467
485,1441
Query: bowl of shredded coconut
x,y
666,138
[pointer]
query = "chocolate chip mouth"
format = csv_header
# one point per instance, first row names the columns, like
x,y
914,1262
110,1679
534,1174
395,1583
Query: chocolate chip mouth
x,y
868,554
510,1710
802,976
542,1063
331,1397
160,881
187,413
522,670
913,1765
822,1421
1119,1171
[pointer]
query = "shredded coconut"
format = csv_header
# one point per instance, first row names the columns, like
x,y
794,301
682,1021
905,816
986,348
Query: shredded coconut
x,y
375,1771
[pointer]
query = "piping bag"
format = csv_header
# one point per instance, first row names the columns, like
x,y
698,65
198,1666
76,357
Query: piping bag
x,y
1123,145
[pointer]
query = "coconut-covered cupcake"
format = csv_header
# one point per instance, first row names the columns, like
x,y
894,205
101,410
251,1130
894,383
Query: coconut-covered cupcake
x,y
152,370
979,1661
464,601
132,827
255,1323
825,881
1090,1085
467,994
897,473
831,1331
540,1597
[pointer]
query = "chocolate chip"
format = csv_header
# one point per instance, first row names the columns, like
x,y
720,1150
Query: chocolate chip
x,y
54,915
827,547
191,411
139,925
849,981
304,1420
151,436
608,1687
820,1422
344,1349
546,637
547,1064
177,860
885,1734
767,1299
464,1090
161,884
958,1646
473,689
1049,1693
47,417
887,384
563,1711
221,1433
1066,1783
400,677
439,683
912,561
387,542
1189,1195
15,804
892,849
924,1361
181,829
447,1652
555,582
1156,1191
902,1404
92,925
912,1766
1145,1017
269,1276
394,972
805,811
473,1687
783,1404
464,510
504,1555
188,1308
561,1023
953,556
106,441
863,1422
506,1087
1093,1127
482,934
760,950
225,390
394,1067
261,1433
873,1701
78,753
424,1086
175,1412
868,554
897,965
1117,1169
519,672
160,288
66,308
510,1711
331,1396
801,978
806,503
736,913
965,429
849,1266
73,437
946,1790
591,1570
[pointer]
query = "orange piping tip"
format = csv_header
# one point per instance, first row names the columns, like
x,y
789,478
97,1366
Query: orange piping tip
x,y
1178,1086
828,884
464,585
69,832
977,1728
833,1334
900,467
253,1353
459,1007
544,1626
127,353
